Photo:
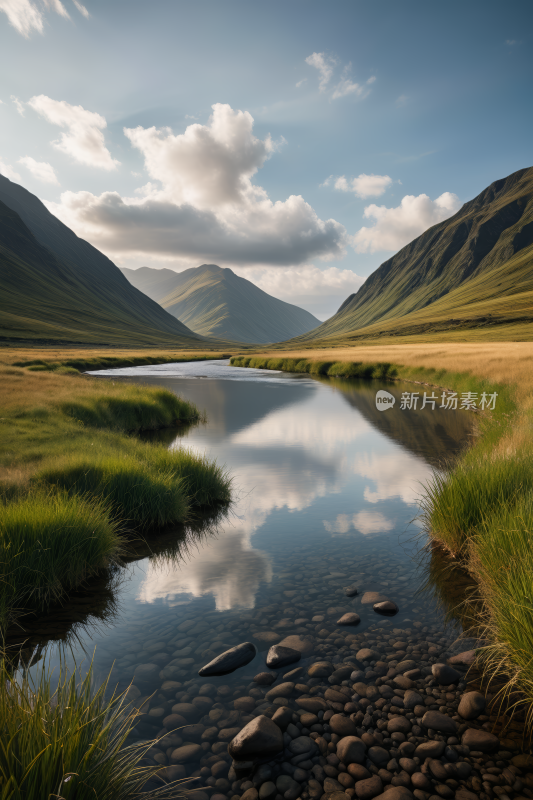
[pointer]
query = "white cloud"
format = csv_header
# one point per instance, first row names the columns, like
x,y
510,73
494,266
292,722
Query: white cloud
x,y
301,83
364,521
364,185
25,16
325,66
207,206
346,86
39,169
83,140
8,172
19,105
305,281
81,8
396,227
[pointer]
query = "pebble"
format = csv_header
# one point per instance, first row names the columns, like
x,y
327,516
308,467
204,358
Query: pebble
x,y
445,675
351,591
259,737
231,660
279,656
386,607
349,619
483,741
472,705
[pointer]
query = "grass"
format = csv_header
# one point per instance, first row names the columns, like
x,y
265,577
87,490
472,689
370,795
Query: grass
x,y
337,369
69,442
69,743
479,510
77,364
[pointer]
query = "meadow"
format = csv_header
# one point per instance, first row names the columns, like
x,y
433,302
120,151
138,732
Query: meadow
x,y
479,511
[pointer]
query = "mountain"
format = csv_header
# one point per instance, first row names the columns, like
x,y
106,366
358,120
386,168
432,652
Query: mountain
x,y
213,301
474,268
57,286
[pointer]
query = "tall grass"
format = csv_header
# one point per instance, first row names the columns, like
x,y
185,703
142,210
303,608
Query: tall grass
x,y
69,744
340,369
204,481
84,364
49,543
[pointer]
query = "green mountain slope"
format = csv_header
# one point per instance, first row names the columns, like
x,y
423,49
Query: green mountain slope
x,y
424,280
215,302
63,287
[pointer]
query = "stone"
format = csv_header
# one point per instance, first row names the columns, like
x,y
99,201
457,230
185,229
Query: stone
x,y
186,710
421,781
267,636
396,793
523,761
244,703
287,787
378,756
259,737
444,674
146,673
351,750
265,678
279,656
250,794
366,654
302,744
369,788
465,659
336,697
369,598
267,791
405,666
187,753
172,721
293,674
483,741
232,659
349,619
342,726
320,669
350,591
411,699
341,674
399,725
386,608
303,646
402,682
312,704
471,705
358,772
439,722
432,749
282,717
281,690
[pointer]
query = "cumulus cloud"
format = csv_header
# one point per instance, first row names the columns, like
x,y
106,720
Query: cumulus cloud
x,y
203,203
25,16
39,169
395,227
306,281
325,66
364,521
9,172
364,185
83,139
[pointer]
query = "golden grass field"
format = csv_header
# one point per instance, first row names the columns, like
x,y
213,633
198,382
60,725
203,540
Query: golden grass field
x,y
13,354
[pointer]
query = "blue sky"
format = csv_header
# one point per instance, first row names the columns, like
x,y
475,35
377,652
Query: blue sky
x,y
339,131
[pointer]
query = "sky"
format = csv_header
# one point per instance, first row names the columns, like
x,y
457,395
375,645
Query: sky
x,y
299,143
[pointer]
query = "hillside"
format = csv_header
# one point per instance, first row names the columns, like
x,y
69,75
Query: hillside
x,y
57,286
213,301
475,268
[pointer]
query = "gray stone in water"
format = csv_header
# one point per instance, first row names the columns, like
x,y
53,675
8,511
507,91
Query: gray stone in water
x,y
350,591
279,656
444,674
265,678
349,619
259,738
387,608
232,659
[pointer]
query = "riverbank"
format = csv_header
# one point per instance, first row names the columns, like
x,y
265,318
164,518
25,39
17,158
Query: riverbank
x,y
74,479
479,510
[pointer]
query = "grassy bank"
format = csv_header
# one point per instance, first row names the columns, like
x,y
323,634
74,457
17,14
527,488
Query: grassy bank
x,y
69,742
74,477
480,510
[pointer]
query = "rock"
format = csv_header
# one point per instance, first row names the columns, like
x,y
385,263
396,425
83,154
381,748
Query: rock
x,y
307,719
523,761
173,721
186,710
445,675
282,717
187,753
405,666
336,697
483,741
396,793
250,794
287,787
265,678
366,654
303,646
349,619
259,737
146,673
421,781
387,608
342,726
369,788
465,659
472,704
439,722
351,750
279,656
402,682
399,725
433,749
293,674
312,704
302,744
232,659
369,598
267,636
350,591
267,791
244,703
281,690
378,756
411,699
341,674
320,669
462,645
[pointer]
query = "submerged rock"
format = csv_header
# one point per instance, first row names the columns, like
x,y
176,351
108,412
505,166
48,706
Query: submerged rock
x,y
232,659
386,607
445,675
351,591
349,619
279,656
259,738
